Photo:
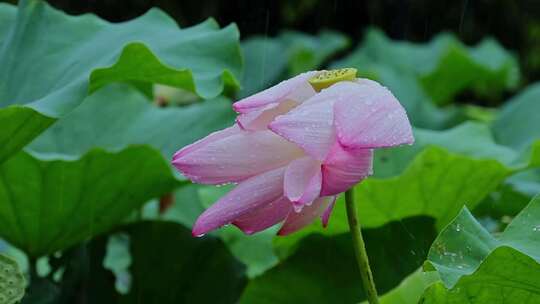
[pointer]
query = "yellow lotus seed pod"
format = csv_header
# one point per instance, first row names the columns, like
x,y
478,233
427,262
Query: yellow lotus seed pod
x,y
327,78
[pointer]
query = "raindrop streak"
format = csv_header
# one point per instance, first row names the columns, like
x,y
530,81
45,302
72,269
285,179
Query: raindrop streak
x,y
263,65
407,231
462,16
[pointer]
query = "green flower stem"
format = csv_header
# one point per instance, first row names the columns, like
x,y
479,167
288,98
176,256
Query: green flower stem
x,y
360,249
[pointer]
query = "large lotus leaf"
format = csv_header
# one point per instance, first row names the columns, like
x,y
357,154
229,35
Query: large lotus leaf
x,y
262,68
171,266
421,111
443,67
435,171
62,189
506,276
518,123
323,270
517,126
7,16
476,267
472,139
270,59
137,121
404,176
425,179
526,183
117,116
48,205
435,185
42,79
308,52
487,68
468,139
505,201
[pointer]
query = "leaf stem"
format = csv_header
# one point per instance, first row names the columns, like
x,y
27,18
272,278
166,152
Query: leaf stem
x,y
360,249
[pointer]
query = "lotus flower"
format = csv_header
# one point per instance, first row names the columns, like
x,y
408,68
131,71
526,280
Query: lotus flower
x,y
293,149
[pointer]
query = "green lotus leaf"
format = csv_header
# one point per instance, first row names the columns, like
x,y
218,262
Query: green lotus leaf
x,y
477,267
430,178
308,52
169,265
8,14
517,125
118,116
433,185
505,276
94,167
323,270
43,81
299,53
49,205
443,67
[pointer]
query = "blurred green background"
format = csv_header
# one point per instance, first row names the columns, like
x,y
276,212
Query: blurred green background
x,y
515,24
92,112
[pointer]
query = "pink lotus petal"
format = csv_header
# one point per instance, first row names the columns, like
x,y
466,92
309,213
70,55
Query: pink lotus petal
x,y
259,119
325,217
296,88
249,196
371,118
297,220
343,169
208,139
310,125
303,180
236,157
265,217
